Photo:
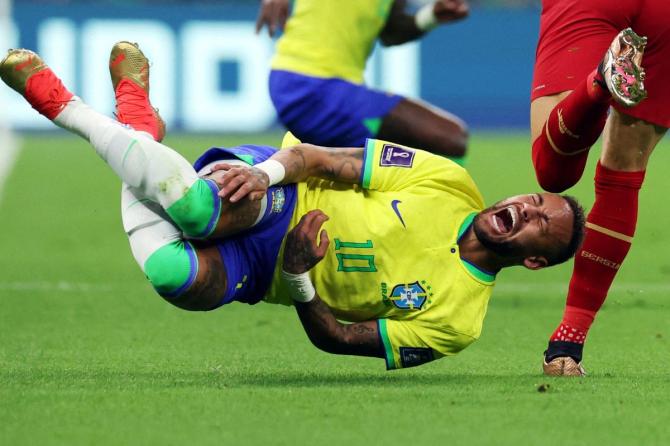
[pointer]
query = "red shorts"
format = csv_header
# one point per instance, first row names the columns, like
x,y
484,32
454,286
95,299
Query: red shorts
x,y
574,35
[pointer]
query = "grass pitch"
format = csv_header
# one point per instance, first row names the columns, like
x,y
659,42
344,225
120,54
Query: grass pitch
x,y
90,355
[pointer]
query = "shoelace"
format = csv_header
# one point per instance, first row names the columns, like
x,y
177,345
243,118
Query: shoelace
x,y
47,94
133,104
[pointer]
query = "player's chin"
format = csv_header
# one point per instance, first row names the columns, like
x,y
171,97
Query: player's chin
x,y
563,366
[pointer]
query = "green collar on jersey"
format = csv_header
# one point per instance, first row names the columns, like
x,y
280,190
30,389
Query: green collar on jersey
x,y
480,274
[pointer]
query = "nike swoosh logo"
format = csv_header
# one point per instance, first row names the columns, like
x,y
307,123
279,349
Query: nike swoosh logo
x,y
394,205
120,58
21,66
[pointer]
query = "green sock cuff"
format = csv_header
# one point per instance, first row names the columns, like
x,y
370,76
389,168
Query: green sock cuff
x,y
172,268
197,212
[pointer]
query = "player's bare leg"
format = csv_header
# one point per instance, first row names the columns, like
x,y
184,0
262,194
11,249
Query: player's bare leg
x,y
417,124
540,109
627,145
628,142
178,269
566,125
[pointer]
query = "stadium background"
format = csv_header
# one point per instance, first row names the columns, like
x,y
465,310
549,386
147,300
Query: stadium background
x,y
88,353
479,69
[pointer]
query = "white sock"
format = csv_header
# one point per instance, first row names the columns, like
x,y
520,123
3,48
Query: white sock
x,y
153,169
147,225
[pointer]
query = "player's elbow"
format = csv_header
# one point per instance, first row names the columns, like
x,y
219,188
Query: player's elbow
x,y
330,343
449,140
386,40
392,39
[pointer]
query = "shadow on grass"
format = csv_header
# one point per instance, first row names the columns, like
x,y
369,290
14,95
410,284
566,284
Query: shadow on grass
x,y
222,378
395,379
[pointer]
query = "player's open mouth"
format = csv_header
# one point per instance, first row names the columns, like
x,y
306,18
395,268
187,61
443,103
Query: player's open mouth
x,y
504,221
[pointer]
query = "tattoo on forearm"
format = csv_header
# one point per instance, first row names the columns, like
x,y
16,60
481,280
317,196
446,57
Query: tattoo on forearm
x,y
344,166
296,163
361,329
327,333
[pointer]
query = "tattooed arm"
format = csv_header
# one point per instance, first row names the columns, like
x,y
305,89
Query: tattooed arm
x,y
401,26
332,336
301,254
306,160
300,162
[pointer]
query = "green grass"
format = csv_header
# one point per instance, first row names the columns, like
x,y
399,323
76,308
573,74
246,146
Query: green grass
x,y
90,355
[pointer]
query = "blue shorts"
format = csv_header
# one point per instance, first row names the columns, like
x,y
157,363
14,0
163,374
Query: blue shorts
x,y
250,256
329,112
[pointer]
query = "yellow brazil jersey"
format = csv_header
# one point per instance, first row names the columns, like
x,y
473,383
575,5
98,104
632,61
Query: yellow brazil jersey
x,y
331,38
393,252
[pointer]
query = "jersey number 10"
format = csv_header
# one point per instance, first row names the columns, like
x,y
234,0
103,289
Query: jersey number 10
x,y
359,263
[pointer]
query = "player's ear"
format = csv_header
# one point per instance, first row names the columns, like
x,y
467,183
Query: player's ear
x,y
535,262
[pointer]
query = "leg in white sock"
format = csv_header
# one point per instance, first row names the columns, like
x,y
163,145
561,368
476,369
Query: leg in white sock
x,y
169,262
153,169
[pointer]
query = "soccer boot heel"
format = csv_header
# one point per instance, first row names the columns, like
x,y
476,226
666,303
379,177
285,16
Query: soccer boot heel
x,y
129,70
26,73
621,68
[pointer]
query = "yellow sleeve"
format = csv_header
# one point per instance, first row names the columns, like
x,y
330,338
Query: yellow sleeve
x,y
408,343
289,140
392,167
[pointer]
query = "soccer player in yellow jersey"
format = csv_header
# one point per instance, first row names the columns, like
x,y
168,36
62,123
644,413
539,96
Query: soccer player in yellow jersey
x,y
316,83
392,239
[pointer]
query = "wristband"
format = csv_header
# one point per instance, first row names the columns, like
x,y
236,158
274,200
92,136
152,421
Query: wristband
x,y
300,286
425,18
274,169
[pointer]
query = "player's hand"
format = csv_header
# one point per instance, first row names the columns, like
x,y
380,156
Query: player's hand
x,y
273,14
301,251
240,182
450,10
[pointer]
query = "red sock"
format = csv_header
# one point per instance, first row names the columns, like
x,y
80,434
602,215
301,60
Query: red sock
x,y
560,152
609,232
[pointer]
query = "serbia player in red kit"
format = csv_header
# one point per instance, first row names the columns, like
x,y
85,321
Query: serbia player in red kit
x,y
573,89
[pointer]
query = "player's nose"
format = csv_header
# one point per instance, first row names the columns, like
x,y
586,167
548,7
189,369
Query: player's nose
x,y
530,211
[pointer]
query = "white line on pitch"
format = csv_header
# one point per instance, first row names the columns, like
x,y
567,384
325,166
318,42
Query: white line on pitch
x,y
55,286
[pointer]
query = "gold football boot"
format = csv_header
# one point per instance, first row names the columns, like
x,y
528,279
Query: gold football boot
x,y
129,69
26,73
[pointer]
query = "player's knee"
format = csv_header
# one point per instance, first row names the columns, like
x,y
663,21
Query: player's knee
x,y
451,143
172,269
197,212
190,280
457,138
